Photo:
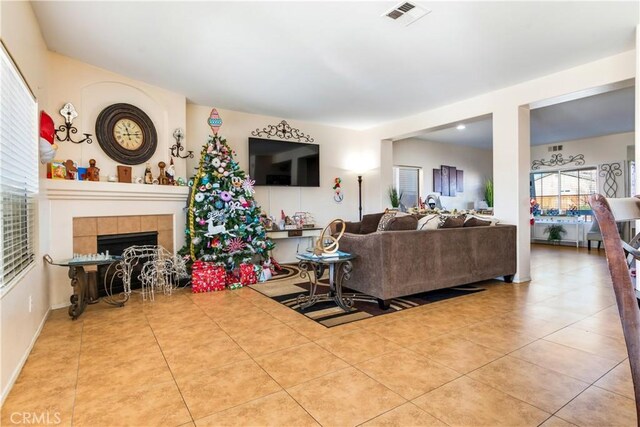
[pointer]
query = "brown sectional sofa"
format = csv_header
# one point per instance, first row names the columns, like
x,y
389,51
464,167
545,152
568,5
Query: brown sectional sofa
x,y
393,264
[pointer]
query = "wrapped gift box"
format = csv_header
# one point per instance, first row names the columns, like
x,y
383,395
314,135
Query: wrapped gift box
x,y
248,274
207,277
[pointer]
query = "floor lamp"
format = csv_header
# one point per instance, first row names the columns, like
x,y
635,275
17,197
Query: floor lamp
x,y
360,197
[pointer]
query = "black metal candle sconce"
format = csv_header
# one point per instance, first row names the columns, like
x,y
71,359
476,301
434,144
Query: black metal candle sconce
x,y
176,148
69,113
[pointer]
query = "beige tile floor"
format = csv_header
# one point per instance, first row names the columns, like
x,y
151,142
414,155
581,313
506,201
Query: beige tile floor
x,y
549,352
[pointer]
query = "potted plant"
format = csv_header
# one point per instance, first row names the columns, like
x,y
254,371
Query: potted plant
x,y
394,197
555,232
488,192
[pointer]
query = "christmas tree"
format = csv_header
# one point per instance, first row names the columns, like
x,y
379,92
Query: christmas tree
x,y
224,223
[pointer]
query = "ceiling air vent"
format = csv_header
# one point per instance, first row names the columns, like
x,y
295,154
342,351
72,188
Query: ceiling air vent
x,y
406,13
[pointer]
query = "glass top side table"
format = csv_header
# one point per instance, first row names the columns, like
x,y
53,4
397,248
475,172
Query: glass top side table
x,y
80,297
311,268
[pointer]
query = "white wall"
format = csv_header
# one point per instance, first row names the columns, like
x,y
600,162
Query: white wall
x,y
341,150
90,89
19,327
476,163
603,149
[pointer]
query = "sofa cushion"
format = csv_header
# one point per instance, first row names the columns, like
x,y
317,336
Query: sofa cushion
x,y
450,221
353,227
385,220
402,222
492,220
476,222
370,223
428,222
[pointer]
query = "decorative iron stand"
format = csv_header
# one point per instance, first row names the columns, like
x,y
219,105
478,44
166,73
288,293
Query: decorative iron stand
x,y
176,148
69,113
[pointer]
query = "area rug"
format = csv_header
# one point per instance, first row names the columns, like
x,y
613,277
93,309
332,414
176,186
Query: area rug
x,y
327,313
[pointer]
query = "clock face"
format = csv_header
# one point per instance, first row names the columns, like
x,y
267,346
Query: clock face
x,y
128,134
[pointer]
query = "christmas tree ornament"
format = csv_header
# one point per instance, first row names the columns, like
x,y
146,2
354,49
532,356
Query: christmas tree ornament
x,y
215,121
200,196
215,162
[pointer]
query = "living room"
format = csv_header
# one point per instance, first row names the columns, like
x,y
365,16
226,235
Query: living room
x,y
209,73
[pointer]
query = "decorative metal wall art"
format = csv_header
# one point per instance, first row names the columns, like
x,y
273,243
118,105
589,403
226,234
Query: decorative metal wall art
x,y
69,113
283,131
609,171
448,180
558,160
176,148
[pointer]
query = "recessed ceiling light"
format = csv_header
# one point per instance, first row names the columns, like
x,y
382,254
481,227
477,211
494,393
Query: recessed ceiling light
x,y
461,126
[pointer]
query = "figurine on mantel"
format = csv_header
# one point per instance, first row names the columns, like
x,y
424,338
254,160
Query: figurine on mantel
x,y
148,176
93,172
171,173
162,178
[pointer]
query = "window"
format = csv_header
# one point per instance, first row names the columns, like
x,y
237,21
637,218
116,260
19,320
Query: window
x,y
407,182
18,171
564,190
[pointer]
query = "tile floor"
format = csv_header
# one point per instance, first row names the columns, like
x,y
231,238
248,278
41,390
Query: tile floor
x,y
549,352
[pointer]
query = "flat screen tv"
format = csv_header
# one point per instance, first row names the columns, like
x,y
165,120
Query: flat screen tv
x,y
284,163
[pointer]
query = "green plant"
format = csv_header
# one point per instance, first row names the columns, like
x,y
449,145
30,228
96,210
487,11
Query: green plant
x,y
555,232
394,197
488,192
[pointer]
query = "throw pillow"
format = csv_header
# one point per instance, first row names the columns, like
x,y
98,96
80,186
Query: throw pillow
x,y
476,222
448,221
429,222
405,222
385,220
370,223
492,220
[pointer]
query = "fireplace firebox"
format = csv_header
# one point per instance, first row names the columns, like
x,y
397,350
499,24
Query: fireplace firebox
x,y
116,244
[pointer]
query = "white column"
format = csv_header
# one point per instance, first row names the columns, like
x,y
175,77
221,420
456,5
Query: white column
x,y
511,162
637,114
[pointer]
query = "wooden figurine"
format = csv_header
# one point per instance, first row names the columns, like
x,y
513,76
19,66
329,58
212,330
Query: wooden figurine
x,y
72,170
162,178
93,172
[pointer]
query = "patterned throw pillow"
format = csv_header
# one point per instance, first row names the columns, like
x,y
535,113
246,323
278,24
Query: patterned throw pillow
x,y
476,222
490,220
429,222
385,220
450,221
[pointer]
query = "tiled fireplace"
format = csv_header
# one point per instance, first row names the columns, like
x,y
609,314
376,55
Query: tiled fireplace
x,y
87,229
78,212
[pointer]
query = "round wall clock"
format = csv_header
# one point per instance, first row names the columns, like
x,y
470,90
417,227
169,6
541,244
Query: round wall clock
x,y
126,134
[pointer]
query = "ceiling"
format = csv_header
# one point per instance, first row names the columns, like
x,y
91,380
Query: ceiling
x,y
589,117
337,63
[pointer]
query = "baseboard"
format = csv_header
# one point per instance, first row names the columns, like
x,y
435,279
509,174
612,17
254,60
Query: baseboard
x,y
57,306
18,369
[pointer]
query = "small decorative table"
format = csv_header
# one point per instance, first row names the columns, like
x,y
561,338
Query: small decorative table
x,y
80,297
311,268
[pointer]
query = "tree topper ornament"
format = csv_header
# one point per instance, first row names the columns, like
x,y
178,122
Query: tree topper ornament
x,y
215,121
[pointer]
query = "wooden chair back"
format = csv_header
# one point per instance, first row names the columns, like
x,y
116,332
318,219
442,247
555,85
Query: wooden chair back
x,y
628,208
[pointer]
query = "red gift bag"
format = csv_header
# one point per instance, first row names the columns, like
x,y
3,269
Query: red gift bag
x,y
207,277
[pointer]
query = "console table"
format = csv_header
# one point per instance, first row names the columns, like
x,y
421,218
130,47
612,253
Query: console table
x,y
298,233
311,268
80,297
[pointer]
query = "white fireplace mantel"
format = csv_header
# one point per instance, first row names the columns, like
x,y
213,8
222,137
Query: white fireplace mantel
x,y
61,189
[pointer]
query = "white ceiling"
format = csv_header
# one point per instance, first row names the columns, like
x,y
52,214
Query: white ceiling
x,y
589,117
336,62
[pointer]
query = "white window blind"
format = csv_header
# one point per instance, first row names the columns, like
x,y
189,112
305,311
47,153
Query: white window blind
x,y
408,184
18,171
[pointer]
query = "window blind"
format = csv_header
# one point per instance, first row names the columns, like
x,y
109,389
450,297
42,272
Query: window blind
x,y
18,171
409,185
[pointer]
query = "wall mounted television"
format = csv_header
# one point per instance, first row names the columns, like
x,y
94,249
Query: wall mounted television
x,y
282,163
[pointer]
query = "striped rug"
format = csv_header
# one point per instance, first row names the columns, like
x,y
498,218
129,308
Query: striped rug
x,y
327,313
